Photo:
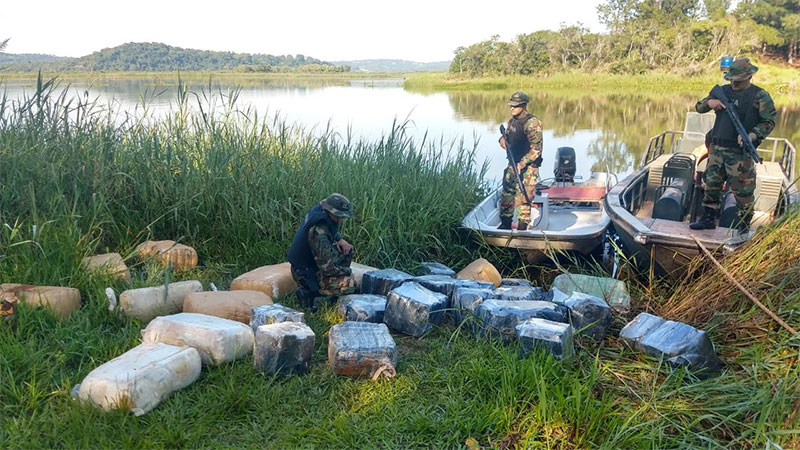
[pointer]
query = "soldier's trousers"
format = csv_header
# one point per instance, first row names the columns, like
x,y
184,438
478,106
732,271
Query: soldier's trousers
x,y
311,283
512,198
735,167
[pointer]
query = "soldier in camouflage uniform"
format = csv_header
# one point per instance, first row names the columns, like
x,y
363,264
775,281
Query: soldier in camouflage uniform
x,y
525,142
319,256
727,160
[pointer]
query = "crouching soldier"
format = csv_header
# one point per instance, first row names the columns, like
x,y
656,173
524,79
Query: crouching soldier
x,y
319,256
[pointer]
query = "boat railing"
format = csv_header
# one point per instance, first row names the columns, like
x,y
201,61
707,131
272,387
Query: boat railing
x,y
633,195
787,152
665,142
771,149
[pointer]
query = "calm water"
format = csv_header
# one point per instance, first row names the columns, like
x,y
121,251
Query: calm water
x,y
607,131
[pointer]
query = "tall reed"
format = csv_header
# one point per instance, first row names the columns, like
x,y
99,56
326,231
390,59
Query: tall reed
x,y
768,266
231,182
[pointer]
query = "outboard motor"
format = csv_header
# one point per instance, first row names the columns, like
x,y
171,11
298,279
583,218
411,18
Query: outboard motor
x,y
565,165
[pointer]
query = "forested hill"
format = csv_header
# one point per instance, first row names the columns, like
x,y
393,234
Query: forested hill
x,y
156,57
26,58
686,37
393,65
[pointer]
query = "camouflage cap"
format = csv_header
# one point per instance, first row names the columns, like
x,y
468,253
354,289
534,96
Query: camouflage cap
x,y
741,69
518,99
338,205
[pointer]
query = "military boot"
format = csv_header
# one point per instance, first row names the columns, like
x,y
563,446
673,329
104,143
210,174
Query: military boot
x,y
322,300
707,222
743,224
505,223
522,226
304,297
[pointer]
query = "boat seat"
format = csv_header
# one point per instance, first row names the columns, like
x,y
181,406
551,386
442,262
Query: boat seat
x,y
654,174
699,123
576,193
769,184
675,192
688,144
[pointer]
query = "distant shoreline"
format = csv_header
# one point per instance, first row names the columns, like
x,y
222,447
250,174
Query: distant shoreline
x,y
782,82
174,75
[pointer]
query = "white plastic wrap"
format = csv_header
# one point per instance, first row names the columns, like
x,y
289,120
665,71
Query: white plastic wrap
x,y
141,378
218,340
148,303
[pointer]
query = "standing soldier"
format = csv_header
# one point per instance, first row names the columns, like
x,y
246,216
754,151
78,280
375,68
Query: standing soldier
x,y
319,256
727,159
525,143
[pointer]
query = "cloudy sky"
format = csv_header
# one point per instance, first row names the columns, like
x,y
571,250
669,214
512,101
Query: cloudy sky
x,y
416,30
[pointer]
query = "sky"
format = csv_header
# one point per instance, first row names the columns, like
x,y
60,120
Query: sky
x,y
415,30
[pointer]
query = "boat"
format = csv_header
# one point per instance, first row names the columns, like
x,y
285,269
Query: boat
x,y
567,214
652,207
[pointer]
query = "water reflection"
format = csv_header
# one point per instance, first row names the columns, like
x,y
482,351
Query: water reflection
x,y
621,124
608,131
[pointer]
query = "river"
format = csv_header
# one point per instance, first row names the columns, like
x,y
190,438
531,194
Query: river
x,y
607,131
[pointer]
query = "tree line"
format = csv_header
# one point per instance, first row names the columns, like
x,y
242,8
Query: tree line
x,y
680,36
155,57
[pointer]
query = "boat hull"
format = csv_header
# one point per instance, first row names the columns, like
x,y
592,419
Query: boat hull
x,y
666,247
575,230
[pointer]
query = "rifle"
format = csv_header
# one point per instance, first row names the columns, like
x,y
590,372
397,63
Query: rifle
x,y
748,146
513,164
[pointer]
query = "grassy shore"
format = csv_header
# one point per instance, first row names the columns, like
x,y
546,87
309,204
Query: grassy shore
x,y
782,82
235,186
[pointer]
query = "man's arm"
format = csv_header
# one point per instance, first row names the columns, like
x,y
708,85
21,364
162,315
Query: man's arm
x,y
326,256
533,129
767,115
702,106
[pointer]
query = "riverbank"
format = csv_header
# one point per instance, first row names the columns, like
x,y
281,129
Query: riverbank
x,y
782,82
172,78
235,189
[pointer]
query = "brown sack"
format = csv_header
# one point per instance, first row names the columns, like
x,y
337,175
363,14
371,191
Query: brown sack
x,y
481,270
275,280
62,300
233,305
182,257
107,262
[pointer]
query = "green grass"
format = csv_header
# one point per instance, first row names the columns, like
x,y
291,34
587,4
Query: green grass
x,y
782,82
235,188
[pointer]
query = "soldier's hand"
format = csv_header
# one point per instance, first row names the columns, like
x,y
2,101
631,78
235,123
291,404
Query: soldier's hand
x,y
752,137
344,246
716,105
503,143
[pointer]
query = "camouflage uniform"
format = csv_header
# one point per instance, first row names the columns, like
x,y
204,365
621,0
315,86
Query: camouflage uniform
x,y
731,163
319,268
512,198
333,267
